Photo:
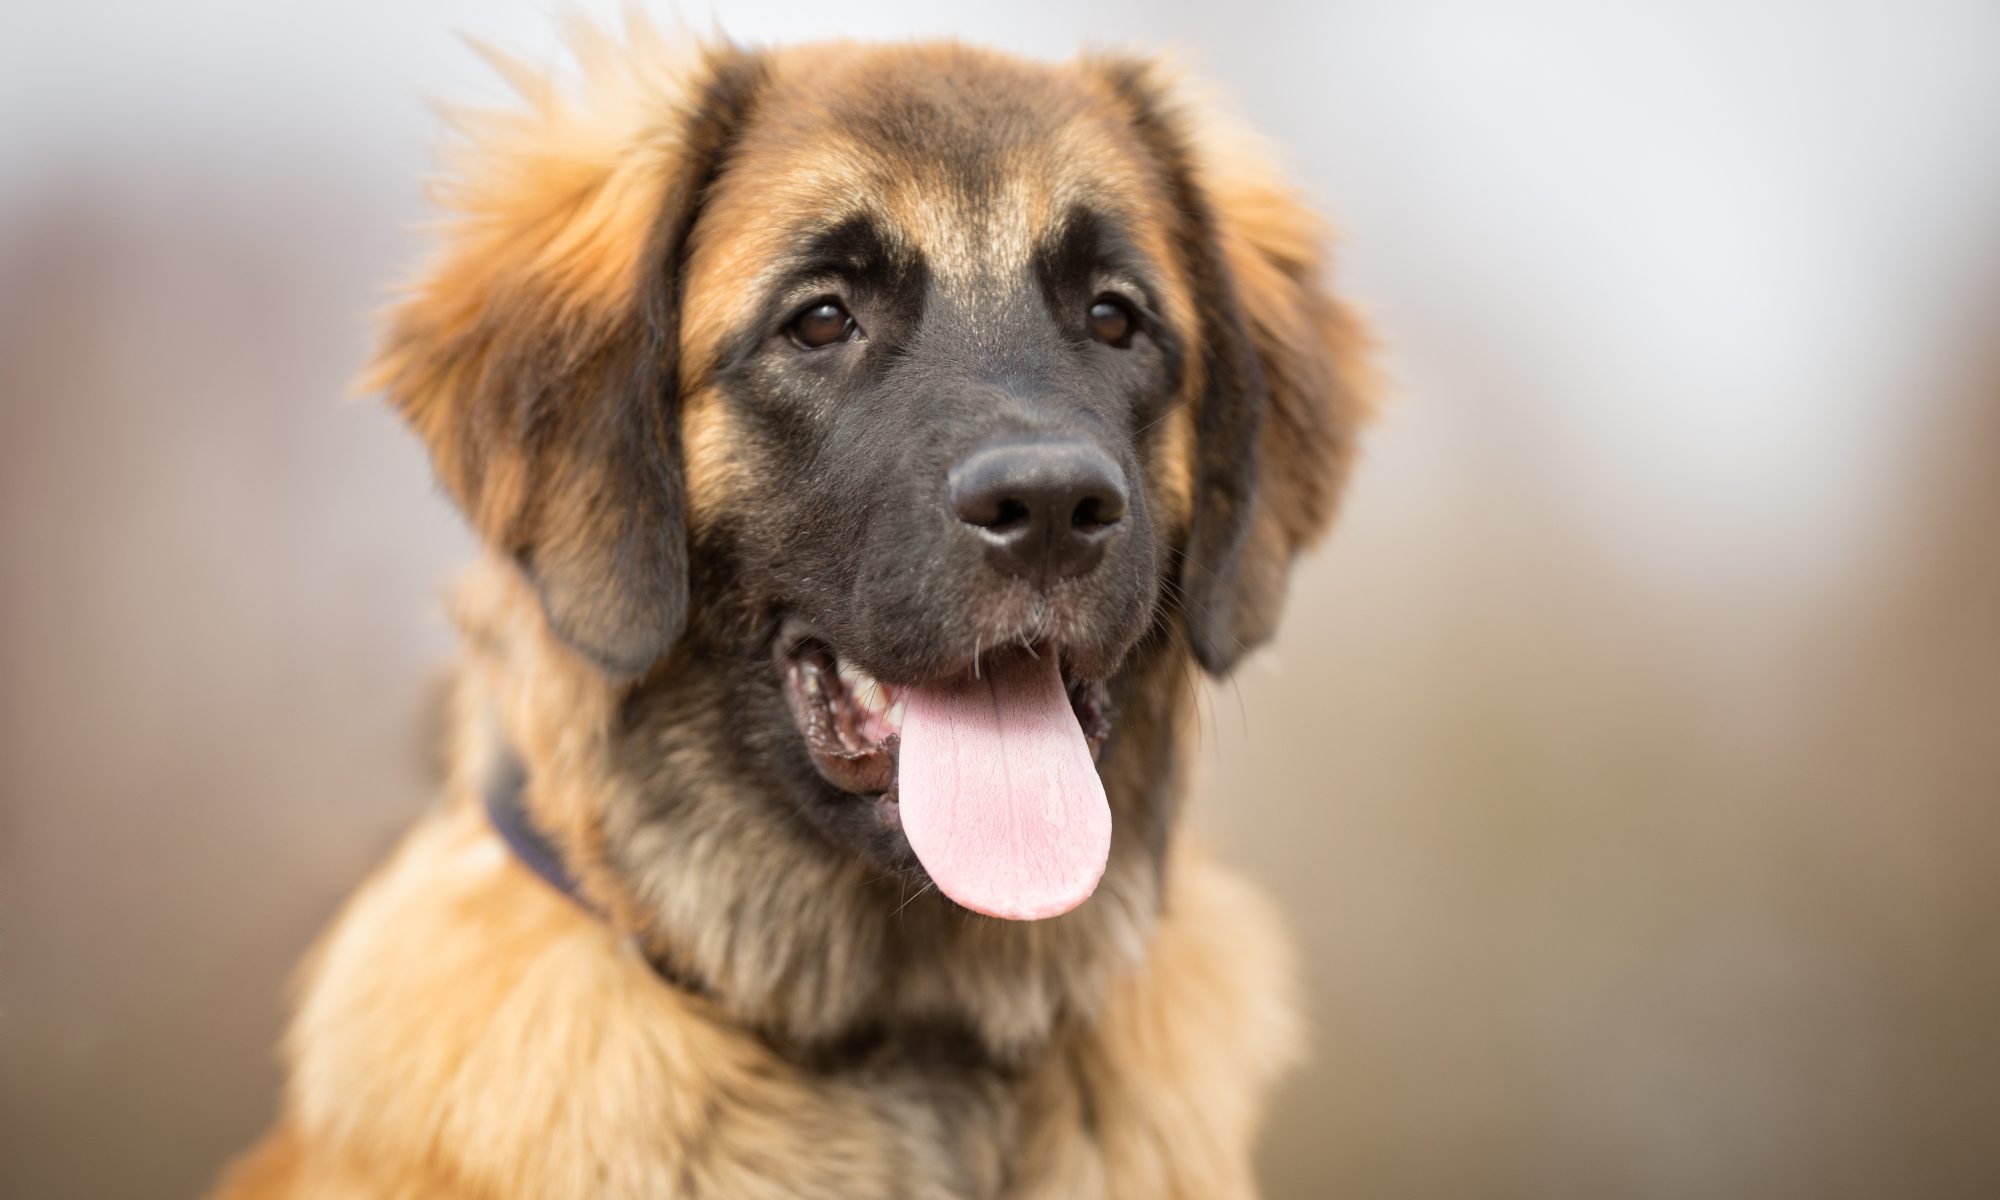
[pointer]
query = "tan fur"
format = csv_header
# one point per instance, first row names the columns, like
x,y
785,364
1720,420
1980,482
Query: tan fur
x,y
1277,249
798,160
549,210
466,1031
716,474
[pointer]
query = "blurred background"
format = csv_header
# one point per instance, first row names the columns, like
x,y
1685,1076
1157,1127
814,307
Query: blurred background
x,y
1629,766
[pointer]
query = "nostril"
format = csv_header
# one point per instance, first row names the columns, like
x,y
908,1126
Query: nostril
x,y
1094,513
1008,515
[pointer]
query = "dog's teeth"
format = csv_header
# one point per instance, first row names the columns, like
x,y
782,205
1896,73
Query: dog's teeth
x,y
869,697
855,678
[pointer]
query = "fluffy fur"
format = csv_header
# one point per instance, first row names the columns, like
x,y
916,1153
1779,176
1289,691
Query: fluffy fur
x,y
464,1030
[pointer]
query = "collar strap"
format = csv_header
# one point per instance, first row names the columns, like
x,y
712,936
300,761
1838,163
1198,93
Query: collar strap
x,y
504,808
511,821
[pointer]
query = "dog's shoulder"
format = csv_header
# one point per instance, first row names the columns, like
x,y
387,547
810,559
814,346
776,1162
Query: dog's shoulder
x,y
461,1020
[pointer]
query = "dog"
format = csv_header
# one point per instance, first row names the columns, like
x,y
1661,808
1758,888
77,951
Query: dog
x,y
869,445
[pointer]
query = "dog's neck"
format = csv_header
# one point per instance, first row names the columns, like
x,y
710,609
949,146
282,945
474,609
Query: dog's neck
x,y
667,835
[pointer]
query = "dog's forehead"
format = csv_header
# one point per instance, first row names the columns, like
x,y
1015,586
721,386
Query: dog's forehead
x,y
970,159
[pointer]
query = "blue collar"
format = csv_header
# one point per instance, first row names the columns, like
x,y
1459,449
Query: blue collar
x,y
511,821
516,828
504,792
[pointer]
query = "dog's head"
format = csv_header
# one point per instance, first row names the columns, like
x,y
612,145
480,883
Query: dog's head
x,y
854,373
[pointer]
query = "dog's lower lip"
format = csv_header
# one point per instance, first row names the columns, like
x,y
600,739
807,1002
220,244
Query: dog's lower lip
x,y
850,721
852,754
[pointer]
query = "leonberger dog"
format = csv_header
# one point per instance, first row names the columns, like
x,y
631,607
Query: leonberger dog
x,y
871,445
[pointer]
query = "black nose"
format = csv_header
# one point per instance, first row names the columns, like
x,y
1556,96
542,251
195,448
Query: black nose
x,y
1045,509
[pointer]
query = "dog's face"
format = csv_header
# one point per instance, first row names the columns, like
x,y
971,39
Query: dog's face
x,y
939,391
846,373
944,387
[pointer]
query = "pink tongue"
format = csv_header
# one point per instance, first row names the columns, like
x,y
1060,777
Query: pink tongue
x,y
999,797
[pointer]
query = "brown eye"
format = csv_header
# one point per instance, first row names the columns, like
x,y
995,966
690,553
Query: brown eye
x,y
822,325
1111,321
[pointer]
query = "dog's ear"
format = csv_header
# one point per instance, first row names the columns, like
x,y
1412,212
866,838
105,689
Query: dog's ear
x,y
1284,367
538,357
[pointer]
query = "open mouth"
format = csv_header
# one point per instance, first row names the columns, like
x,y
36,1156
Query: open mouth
x,y
852,722
988,771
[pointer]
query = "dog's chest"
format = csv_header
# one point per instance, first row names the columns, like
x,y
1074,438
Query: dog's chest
x,y
924,1130
465,1019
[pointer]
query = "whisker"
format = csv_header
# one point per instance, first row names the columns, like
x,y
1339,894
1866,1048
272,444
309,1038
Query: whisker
x,y
912,900
1181,596
1171,410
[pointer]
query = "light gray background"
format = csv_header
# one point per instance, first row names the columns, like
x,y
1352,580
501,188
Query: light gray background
x,y
1628,766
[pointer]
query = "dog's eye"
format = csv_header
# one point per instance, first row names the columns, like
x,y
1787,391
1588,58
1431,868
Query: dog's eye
x,y
1111,321
822,325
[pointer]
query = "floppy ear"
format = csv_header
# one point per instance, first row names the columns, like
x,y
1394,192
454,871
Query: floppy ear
x,y
538,357
1285,373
